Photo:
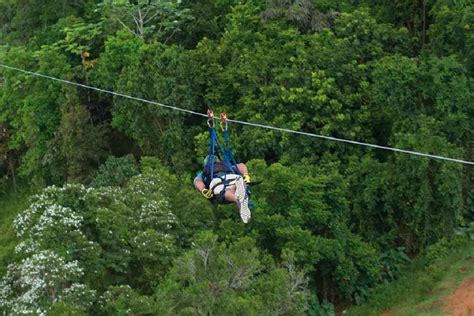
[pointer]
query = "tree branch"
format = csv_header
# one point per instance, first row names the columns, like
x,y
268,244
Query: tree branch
x,y
125,25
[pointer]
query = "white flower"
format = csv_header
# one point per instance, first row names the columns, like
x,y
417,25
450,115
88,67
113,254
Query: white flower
x,y
33,279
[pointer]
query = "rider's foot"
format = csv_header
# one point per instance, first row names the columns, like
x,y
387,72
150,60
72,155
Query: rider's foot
x,y
242,200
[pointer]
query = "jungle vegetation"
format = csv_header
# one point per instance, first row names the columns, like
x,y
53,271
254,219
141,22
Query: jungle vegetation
x,y
113,224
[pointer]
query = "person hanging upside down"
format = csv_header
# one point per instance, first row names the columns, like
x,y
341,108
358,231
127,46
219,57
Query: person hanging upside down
x,y
225,185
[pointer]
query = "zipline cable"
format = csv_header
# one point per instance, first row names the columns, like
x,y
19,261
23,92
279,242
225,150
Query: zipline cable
x,y
102,90
354,142
410,152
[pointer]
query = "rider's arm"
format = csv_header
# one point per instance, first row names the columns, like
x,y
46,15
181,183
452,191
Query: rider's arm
x,y
201,186
199,183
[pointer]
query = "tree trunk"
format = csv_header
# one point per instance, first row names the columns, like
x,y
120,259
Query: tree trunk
x,y
12,172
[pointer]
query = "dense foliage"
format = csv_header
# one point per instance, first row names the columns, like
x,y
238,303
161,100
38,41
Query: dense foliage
x,y
109,236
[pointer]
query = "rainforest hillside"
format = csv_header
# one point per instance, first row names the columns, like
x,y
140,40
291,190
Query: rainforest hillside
x,y
98,211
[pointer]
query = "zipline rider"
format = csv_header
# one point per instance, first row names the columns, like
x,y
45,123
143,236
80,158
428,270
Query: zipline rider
x,y
221,181
225,187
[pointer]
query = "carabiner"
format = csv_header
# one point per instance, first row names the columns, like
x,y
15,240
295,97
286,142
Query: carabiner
x,y
223,118
210,120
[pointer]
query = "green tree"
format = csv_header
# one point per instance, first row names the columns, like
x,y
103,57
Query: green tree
x,y
219,278
304,209
116,171
153,72
452,30
78,146
147,18
24,20
30,106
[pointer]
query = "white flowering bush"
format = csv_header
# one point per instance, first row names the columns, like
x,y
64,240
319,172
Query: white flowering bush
x,y
157,214
145,185
153,252
76,242
53,224
56,220
39,281
123,300
78,295
40,202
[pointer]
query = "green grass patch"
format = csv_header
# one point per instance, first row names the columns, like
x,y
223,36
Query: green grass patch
x,y
10,205
422,287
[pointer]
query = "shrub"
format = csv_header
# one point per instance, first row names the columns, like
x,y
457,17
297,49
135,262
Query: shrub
x,y
116,171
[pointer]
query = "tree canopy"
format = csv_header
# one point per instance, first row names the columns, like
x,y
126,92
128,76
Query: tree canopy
x,y
116,227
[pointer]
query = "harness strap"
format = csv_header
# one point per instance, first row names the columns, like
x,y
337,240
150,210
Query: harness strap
x,y
226,153
229,151
224,182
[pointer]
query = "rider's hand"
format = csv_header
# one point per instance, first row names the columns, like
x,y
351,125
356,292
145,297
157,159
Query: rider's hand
x,y
207,193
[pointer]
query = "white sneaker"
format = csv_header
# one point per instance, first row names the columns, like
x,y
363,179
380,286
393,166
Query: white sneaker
x,y
242,200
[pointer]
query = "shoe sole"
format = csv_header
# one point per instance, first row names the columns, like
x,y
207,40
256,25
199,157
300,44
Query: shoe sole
x,y
242,200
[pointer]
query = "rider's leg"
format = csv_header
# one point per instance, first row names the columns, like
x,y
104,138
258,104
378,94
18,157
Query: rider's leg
x,y
242,168
236,194
230,194
244,171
